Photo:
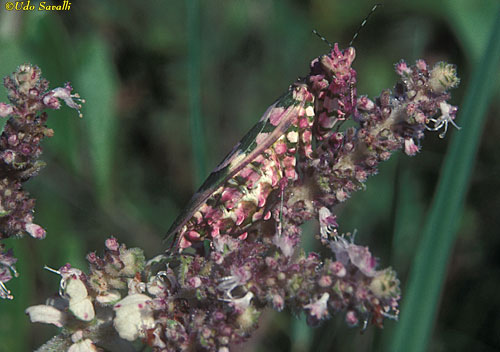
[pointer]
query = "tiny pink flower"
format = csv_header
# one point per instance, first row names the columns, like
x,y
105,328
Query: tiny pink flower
x,y
36,231
357,255
6,110
410,147
66,96
319,308
194,282
364,103
278,302
112,244
402,68
338,269
325,281
285,243
421,65
351,318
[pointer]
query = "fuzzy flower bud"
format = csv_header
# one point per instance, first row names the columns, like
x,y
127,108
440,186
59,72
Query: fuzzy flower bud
x,y
133,316
385,284
443,76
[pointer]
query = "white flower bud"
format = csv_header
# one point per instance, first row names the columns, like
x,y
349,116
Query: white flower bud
x,y
133,316
45,314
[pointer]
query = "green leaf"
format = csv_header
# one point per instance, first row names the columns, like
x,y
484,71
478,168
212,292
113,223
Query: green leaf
x,y
428,271
472,24
96,83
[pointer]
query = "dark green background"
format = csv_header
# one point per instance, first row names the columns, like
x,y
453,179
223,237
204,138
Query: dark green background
x,y
127,168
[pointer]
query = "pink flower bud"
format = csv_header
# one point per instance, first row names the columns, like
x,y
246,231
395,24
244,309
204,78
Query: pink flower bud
x,y
35,231
351,318
112,244
6,109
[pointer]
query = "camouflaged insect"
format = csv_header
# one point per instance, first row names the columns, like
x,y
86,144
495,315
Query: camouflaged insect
x,y
249,182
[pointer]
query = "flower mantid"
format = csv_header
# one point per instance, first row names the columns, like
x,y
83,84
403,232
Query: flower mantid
x,y
243,190
236,193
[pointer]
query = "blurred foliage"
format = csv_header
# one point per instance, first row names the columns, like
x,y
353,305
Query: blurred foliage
x,y
127,168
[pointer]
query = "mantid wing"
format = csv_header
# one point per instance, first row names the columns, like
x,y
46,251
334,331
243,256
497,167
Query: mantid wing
x,y
274,123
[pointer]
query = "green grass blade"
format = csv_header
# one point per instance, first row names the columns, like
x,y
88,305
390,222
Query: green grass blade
x,y
194,87
96,82
427,274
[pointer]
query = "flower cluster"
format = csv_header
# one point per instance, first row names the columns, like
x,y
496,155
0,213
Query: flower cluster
x,y
20,150
211,299
210,304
